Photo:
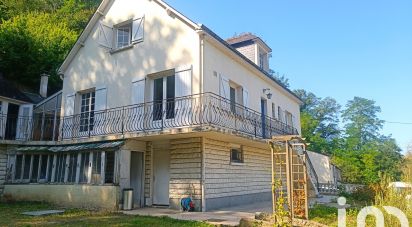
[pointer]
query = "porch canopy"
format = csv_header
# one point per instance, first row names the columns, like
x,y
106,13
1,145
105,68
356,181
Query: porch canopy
x,y
69,148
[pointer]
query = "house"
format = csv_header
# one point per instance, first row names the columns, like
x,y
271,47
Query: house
x,y
155,102
328,174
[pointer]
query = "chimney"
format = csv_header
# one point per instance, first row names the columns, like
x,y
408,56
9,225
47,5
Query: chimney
x,y
44,80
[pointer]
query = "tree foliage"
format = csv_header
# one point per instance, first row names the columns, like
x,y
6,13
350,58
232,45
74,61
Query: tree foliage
x,y
359,149
36,35
319,119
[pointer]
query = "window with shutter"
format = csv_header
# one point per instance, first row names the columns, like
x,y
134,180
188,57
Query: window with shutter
x,y
121,35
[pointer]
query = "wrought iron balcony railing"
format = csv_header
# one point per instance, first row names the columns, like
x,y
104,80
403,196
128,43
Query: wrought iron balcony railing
x,y
194,111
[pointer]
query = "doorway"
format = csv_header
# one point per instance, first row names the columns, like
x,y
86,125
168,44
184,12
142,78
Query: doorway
x,y
11,123
161,177
136,178
263,110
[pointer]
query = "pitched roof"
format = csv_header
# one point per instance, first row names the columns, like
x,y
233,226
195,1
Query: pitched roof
x,y
9,90
103,7
246,37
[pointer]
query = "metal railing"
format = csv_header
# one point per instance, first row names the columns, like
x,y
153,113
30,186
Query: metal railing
x,y
194,111
24,128
312,172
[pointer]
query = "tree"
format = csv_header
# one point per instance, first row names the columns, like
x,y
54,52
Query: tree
x,y
364,152
36,35
319,121
362,123
33,44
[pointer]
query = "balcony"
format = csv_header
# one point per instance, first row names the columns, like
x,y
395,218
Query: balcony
x,y
196,112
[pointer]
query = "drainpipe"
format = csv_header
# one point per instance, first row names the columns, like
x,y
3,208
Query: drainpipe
x,y
201,73
203,175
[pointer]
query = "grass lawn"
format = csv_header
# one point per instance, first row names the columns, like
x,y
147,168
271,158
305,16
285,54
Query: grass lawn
x,y
329,215
10,215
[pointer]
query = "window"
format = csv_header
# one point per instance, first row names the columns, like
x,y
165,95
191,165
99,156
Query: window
x,y
35,168
43,167
26,167
87,111
84,167
72,168
96,168
273,110
261,60
109,172
236,155
233,99
164,89
60,168
38,168
170,97
280,114
19,167
288,118
124,36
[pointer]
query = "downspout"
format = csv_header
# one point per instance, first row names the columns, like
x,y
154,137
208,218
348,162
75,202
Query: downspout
x,y
201,72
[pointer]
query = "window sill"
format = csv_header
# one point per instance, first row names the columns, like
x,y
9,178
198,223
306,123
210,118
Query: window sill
x,y
130,46
237,163
121,49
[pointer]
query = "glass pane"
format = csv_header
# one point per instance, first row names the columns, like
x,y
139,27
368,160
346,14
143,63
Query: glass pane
x,y
19,165
72,168
97,167
170,97
60,168
35,168
233,99
158,99
84,167
26,171
109,172
43,167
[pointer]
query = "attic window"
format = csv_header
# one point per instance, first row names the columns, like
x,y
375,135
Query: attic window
x,y
121,35
124,36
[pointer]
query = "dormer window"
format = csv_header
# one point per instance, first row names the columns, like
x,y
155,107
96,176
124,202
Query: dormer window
x,y
124,36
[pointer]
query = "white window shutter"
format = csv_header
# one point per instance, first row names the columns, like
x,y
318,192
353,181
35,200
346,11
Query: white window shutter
x,y
224,87
101,99
138,29
138,89
183,81
69,105
245,97
105,35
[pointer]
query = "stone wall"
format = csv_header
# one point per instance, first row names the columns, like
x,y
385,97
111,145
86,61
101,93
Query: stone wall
x,y
3,167
185,171
231,184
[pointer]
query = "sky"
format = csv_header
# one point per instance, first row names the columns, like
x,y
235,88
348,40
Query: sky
x,y
339,49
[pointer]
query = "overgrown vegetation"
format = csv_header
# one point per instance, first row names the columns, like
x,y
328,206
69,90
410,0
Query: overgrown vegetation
x,y
36,35
10,215
358,148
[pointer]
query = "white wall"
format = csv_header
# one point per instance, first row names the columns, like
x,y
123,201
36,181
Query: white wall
x,y
220,62
323,167
168,43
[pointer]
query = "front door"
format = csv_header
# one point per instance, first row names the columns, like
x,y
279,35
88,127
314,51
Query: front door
x,y
163,101
161,177
263,108
136,178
